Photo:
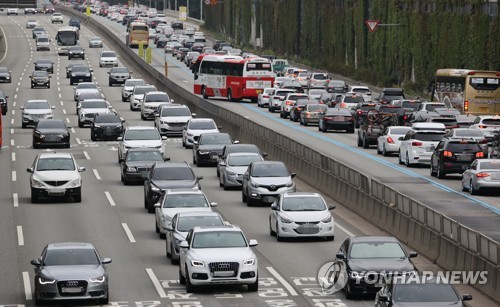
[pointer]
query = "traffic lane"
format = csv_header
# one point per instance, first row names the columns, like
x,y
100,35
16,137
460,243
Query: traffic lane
x,y
11,235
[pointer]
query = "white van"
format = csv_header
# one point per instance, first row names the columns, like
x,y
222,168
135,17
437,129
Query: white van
x,y
42,42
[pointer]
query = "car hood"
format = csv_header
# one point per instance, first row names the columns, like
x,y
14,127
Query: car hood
x,y
271,180
86,90
140,163
52,131
71,272
234,254
240,170
199,132
37,111
95,110
155,104
306,216
427,304
142,143
109,59
56,175
378,265
4,74
175,119
139,96
80,73
212,147
43,65
173,211
175,184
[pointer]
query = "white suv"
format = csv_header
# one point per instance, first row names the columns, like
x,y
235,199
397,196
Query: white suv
x,y
139,136
172,118
12,11
108,58
55,175
57,17
217,254
418,144
150,103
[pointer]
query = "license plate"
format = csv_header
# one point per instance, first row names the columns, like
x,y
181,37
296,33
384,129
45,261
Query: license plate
x,y
464,158
224,273
56,191
72,289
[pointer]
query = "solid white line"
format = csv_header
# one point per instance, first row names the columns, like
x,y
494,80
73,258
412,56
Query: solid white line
x,y
156,283
86,154
347,232
20,236
96,174
14,176
128,233
6,45
110,199
15,199
78,141
13,157
282,281
27,285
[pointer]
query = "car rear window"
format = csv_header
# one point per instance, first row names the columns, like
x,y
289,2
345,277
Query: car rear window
x,y
429,137
350,99
460,147
491,121
489,165
420,293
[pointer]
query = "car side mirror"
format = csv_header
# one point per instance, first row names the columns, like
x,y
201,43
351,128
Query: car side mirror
x,y
81,169
29,170
413,254
130,72
433,147
53,107
195,143
199,177
110,107
400,138
332,207
213,204
36,262
184,244
166,159
157,205
236,142
466,297
264,154
383,298
274,207
293,174
109,73
467,167
21,108
340,255
169,228
222,163
119,138
163,138
253,242
193,114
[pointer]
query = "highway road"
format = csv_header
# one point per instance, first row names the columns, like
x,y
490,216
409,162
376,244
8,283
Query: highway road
x,y
112,216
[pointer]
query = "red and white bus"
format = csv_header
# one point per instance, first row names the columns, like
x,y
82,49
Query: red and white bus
x,y
232,76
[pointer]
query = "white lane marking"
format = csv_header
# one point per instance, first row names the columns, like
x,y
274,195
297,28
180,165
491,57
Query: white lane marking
x,y
20,236
60,96
17,89
14,176
15,96
73,130
282,281
18,84
67,120
156,283
12,121
86,154
64,111
6,46
59,89
13,112
96,174
61,102
13,157
12,142
347,232
128,232
15,199
110,199
12,131
27,285
78,141
14,103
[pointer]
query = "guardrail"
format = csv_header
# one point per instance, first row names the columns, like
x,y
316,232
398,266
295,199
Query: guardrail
x,y
444,241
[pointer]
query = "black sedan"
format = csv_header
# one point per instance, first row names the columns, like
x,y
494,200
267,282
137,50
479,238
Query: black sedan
x,y
336,119
137,163
162,42
44,64
80,74
76,52
5,75
70,66
209,147
51,132
106,126
368,260
297,108
40,78
419,291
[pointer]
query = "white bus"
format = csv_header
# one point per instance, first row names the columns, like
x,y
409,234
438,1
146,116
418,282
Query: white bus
x,y
66,37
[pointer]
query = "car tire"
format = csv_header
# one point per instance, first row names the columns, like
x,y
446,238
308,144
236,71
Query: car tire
x,y
124,99
278,237
379,152
464,189
254,287
80,124
330,238
70,82
472,190
384,151
433,172
244,197
78,196
272,233
151,208
441,174
182,279
305,123
319,126
157,229
366,145
399,159
167,253
360,143
34,198
189,287
23,125
221,182
172,259
407,161
105,301
347,291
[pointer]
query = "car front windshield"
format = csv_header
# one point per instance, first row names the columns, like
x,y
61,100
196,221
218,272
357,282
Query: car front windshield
x,y
370,250
71,257
186,223
119,70
94,104
425,292
37,105
50,124
202,125
173,173
40,74
108,55
242,160
142,135
269,170
185,201
213,139
51,164
219,239
156,98
83,85
143,90
167,112
148,155
303,204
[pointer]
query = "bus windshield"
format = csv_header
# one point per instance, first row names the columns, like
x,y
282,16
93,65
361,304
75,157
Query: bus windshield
x,y
67,38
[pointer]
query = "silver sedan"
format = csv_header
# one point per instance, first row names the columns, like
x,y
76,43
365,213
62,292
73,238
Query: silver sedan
x,y
482,174
233,168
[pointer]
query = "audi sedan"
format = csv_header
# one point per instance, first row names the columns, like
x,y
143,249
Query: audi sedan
x,y
95,42
70,271
5,75
301,214
137,163
40,78
482,174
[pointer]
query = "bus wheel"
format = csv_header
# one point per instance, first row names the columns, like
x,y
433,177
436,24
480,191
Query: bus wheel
x,y
204,93
230,95
253,100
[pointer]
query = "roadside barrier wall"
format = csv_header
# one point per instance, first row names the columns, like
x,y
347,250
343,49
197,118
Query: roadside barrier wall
x,y
444,241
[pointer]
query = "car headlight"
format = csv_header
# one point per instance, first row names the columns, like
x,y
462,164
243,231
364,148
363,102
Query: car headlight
x,y
230,172
163,122
327,219
189,134
37,183
289,184
87,75
203,152
285,220
46,281
197,263
155,188
127,147
254,184
249,262
75,183
131,169
62,135
97,126
99,279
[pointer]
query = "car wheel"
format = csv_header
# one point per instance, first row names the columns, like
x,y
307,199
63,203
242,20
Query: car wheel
x,y
34,198
151,208
305,123
244,197
70,82
105,300
221,182
189,286
182,279
348,292
384,151
360,143
278,237
166,249
441,174
272,233
330,238
407,160
365,143
124,99
271,109
204,93
433,172
254,287
80,124
93,137
110,83
78,196
378,150
23,125
464,189
230,95
319,126
472,190
157,229
173,260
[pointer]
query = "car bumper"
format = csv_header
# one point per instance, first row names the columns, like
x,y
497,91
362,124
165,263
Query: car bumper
x,y
294,230
233,181
360,287
53,293
209,158
81,56
105,64
166,129
339,126
455,167
200,276
118,80
391,147
263,195
56,192
486,184
420,157
53,141
80,79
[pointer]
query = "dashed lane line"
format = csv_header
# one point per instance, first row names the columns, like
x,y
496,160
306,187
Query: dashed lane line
x,y
110,199
27,286
129,234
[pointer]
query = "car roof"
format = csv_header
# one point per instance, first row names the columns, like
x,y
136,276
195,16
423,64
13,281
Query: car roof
x,y
368,239
139,148
37,100
198,213
73,245
216,228
301,194
140,128
239,154
55,154
183,191
268,162
201,120
171,164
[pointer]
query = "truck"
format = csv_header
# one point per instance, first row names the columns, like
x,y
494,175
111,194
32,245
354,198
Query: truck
x,y
374,125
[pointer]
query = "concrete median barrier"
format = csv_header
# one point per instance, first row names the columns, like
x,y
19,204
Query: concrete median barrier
x,y
437,237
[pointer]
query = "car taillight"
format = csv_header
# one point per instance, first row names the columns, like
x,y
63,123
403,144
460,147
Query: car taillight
x,y
299,108
327,118
265,96
405,117
350,119
416,143
390,140
289,103
447,153
483,141
482,126
360,112
482,175
466,105
480,154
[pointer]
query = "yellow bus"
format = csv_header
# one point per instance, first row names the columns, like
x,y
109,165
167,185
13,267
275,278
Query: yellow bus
x,y
470,91
138,33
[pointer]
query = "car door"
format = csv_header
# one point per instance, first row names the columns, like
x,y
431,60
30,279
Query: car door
x,y
436,154
467,175
183,253
403,148
170,234
275,213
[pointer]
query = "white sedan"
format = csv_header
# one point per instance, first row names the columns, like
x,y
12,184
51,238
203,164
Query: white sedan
x,y
389,141
301,214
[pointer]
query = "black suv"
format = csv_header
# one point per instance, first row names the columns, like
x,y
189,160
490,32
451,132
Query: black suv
x,y
106,126
389,94
453,156
3,102
167,175
361,110
209,147
80,74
